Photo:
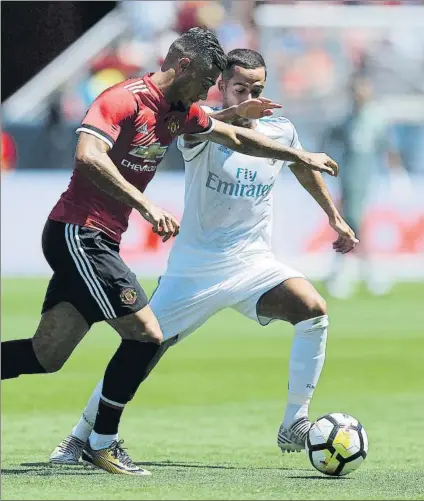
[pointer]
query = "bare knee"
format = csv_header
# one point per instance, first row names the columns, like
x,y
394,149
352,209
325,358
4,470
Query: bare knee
x,y
153,334
145,332
141,326
307,307
293,301
314,306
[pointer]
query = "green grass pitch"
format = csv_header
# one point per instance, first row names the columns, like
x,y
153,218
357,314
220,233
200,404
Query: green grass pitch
x,y
205,421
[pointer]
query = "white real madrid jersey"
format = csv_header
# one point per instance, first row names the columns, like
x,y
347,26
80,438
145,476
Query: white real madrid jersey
x,y
227,218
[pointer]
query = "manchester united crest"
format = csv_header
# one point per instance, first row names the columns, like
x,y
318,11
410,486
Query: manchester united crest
x,y
128,296
173,125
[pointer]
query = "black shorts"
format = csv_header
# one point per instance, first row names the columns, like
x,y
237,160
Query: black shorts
x,y
89,273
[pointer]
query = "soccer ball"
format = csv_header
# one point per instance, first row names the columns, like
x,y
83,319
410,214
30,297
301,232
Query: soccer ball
x,y
336,444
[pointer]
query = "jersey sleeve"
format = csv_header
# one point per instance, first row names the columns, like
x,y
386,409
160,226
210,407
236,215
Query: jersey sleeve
x,y
198,121
108,113
296,144
207,109
190,152
282,130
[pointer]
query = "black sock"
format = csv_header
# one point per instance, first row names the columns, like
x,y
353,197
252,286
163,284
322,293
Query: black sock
x,y
107,419
18,357
129,366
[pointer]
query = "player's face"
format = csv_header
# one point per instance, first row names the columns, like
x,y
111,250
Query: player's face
x,y
193,85
243,85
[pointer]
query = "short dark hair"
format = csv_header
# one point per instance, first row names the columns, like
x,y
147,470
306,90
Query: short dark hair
x,y
246,58
202,46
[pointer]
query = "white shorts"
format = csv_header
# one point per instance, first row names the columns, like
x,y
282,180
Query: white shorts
x,y
183,304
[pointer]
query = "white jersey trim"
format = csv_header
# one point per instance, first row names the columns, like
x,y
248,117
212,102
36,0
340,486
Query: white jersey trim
x,y
211,128
96,134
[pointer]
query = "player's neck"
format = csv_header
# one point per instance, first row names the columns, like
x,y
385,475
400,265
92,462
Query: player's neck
x,y
163,81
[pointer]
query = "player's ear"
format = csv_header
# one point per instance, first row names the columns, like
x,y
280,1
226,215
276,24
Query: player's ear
x,y
183,64
221,86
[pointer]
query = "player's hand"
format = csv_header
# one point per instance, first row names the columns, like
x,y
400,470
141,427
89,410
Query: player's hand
x,y
163,223
346,240
256,108
320,162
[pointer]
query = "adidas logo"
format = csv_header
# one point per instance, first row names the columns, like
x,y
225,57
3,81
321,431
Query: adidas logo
x,y
143,129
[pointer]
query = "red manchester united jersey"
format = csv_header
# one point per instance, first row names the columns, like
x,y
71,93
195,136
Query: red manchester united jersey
x,y
138,124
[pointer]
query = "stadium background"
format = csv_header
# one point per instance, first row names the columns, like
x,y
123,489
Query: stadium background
x,y
223,388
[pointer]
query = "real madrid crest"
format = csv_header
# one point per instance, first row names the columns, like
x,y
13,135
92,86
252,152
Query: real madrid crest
x,y
173,125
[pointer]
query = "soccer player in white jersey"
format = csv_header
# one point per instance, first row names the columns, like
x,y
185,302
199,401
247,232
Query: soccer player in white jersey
x,y
223,258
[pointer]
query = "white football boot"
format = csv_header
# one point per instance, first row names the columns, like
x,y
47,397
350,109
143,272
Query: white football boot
x,y
68,452
293,438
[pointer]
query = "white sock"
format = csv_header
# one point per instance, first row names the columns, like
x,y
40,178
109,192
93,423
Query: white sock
x,y
98,441
306,361
85,425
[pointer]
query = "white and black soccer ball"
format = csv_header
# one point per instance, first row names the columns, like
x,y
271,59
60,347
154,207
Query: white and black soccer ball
x,y
337,444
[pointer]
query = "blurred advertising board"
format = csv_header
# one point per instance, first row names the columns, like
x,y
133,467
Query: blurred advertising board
x,y
393,229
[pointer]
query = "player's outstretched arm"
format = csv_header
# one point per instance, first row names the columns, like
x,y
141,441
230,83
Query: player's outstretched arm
x,y
250,142
252,109
93,162
314,184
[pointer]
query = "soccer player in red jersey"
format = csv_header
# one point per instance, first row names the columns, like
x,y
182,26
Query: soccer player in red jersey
x,y
122,140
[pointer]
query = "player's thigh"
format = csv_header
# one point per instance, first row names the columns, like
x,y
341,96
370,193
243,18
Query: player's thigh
x,y
91,275
60,330
268,290
293,300
183,304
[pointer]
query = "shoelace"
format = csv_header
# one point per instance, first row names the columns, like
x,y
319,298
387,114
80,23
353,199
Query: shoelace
x,y
121,453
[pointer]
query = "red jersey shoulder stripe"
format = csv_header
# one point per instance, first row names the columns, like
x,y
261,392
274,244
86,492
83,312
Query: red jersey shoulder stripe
x,y
136,87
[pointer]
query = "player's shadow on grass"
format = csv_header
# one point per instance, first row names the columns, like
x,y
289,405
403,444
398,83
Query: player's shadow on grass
x,y
183,464
46,469
319,477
